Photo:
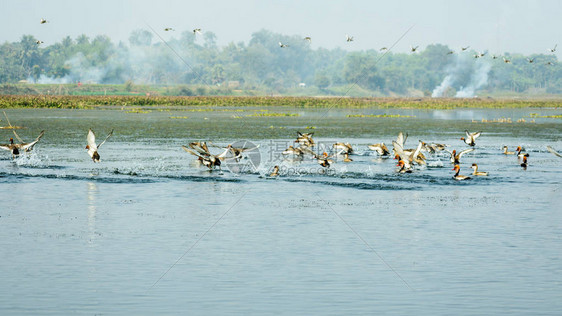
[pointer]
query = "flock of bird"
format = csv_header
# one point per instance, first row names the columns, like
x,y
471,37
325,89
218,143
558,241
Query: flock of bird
x,y
349,38
407,158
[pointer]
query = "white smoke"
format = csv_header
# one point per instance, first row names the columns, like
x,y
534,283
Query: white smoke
x,y
440,89
141,64
477,80
50,80
466,74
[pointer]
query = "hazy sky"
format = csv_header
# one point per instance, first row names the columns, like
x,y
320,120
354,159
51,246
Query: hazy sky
x,y
498,26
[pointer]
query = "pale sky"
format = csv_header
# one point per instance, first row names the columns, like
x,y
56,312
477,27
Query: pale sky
x,y
497,26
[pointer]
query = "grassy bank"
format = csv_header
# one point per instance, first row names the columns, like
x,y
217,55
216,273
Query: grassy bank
x,y
89,102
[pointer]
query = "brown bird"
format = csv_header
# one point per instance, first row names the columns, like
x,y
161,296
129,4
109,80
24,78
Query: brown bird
x,y
16,149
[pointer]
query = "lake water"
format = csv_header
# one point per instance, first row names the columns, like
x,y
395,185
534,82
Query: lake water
x,y
148,232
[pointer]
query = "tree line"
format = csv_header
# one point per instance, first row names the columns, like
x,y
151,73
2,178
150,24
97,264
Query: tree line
x,y
193,58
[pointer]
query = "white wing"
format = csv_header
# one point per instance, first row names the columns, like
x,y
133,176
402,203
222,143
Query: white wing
x,y
400,151
417,151
6,147
553,151
92,140
465,151
192,152
108,135
401,139
476,135
29,146
223,154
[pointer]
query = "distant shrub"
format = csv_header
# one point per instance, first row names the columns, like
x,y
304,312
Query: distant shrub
x,y
201,91
185,91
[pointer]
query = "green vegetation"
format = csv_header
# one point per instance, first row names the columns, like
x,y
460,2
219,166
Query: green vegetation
x,y
201,104
97,66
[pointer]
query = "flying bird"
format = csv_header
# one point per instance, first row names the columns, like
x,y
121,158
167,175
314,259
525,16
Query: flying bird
x,y
208,160
38,42
283,45
552,50
455,158
308,38
43,21
451,52
92,147
470,138
305,139
505,60
550,63
197,31
465,48
383,49
530,60
169,29
494,56
413,49
16,149
348,38
324,160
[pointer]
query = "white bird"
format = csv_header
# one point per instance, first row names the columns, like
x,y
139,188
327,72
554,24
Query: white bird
x,y
552,50
413,49
383,49
494,57
455,158
197,31
283,45
470,138
43,21
380,148
92,147
208,160
308,39
507,61
530,60
305,139
348,38
38,42
549,63
409,158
